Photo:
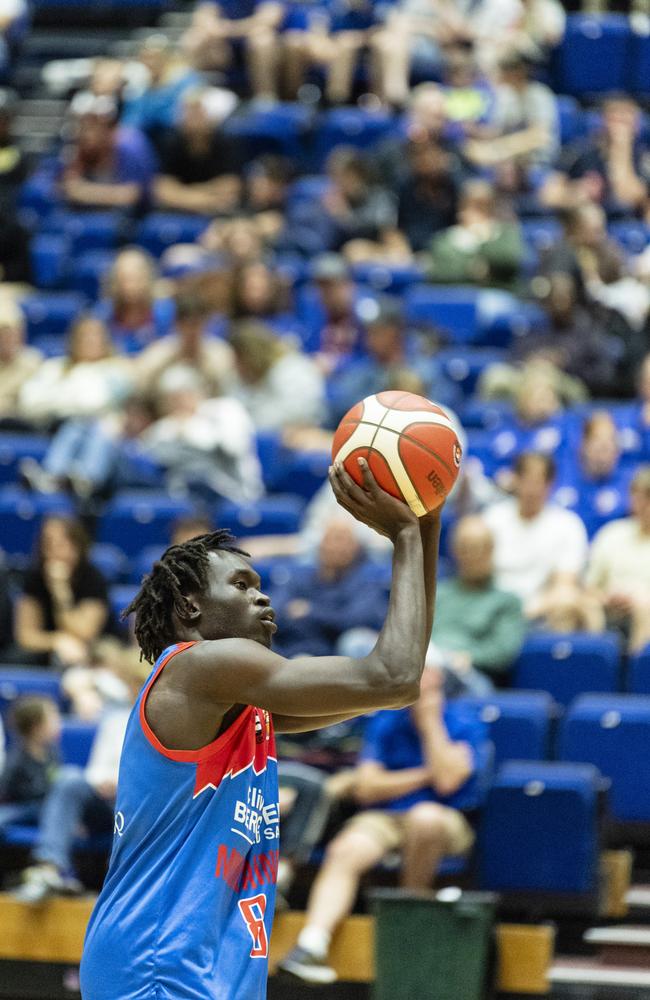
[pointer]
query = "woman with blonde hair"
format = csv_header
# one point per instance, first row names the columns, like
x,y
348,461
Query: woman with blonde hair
x,y
133,313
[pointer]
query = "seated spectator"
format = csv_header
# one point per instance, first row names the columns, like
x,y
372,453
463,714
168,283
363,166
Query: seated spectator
x,y
133,312
63,606
619,567
106,165
323,601
13,25
88,381
421,769
391,354
596,487
279,386
190,344
31,764
334,327
428,196
205,445
264,199
356,209
153,107
105,683
18,362
482,248
79,796
200,169
258,292
609,166
584,249
477,626
469,96
426,121
15,263
539,548
219,30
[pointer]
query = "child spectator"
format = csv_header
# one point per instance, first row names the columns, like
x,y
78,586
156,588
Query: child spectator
x,y
32,763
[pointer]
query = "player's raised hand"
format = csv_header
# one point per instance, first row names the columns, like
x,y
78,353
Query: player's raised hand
x,y
369,503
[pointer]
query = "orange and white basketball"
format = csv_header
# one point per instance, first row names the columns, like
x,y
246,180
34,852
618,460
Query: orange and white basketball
x,y
409,443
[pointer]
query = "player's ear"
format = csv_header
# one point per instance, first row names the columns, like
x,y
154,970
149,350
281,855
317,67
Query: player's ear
x,y
187,609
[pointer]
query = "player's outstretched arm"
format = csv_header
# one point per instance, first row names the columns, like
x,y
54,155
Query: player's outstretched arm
x,y
232,671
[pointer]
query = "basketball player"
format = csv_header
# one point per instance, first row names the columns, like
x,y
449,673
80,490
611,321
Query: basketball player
x,y
187,905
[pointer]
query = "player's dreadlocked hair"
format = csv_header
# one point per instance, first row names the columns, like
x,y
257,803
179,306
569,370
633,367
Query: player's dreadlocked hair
x,y
182,569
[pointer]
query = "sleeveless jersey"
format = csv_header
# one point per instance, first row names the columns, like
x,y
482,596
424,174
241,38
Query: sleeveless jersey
x,y
187,906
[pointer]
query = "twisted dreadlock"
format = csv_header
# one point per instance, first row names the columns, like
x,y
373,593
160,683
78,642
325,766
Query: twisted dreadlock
x,y
182,569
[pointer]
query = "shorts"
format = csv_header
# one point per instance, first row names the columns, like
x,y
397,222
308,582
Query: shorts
x,y
388,829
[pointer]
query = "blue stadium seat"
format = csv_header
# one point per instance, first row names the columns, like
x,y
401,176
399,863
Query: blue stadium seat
x,y
571,117
163,229
143,562
569,665
540,829
274,571
452,310
120,597
49,258
110,561
270,516
387,278
638,678
483,414
15,682
613,733
14,447
639,64
632,236
51,312
464,365
281,128
519,723
350,127
301,472
21,514
310,188
76,741
593,55
137,518
87,230
86,272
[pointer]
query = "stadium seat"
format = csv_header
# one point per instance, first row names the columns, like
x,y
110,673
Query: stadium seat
x,y
571,117
483,414
14,447
301,472
274,515
349,127
308,189
86,272
76,741
464,365
15,682
143,562
632,236
119,598
639,63
569,665
21,514
638,677
540,829
163,229
51,312
87,230
519,723
388,279
281,128
110,561
614,735
594,54
137,518
49,258
450,310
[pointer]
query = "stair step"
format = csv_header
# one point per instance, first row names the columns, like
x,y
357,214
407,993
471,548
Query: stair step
x,y
587,973
625,934
638,896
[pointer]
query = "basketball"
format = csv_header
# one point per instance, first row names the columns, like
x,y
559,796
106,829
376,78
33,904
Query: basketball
x,y
409,443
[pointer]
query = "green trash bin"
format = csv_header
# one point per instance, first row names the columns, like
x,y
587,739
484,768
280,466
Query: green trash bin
x,y
432,946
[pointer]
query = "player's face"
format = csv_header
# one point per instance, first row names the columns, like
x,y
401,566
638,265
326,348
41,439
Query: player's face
x,y
233,607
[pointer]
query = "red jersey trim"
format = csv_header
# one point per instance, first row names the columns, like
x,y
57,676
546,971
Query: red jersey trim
x,y
187,756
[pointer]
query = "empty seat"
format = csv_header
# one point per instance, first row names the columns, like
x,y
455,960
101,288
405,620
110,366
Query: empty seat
x,y
88,230
569,665
163,229
275,515
638,680
519,723
392,279
16,682
51,312
87,271
120,596
110,560
450,310
49,258
350,127
14,447
21,514
281,128
136,518
593,55
613,733
540,829
464,365
76,741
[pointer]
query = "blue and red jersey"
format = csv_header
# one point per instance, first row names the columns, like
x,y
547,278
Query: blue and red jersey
x,y
187,905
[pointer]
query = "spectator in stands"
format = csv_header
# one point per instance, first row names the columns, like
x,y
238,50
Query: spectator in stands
x,y
336,331
428,196
426,121
356,209
482,248
540,550
79,796
584,249
200,169
610,167
133,312
279,386
331,40
13,22
219,30
86,382
18,362
337,593
15,264
597,486
32,763
618,570
258,292
105,683
477,625
106,165
421,769
205,445
190,344
63,606
391,354
154,107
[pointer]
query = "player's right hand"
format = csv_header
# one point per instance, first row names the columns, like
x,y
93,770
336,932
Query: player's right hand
x,y
369,503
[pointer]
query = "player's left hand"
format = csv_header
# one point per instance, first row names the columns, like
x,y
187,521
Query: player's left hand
x,y
370,504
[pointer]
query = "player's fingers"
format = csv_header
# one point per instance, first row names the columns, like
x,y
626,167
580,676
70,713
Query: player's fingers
x,y
369,481
348,485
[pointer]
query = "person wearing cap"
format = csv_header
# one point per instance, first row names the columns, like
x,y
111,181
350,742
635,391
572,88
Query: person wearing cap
x,y
200,164
392,353
106,165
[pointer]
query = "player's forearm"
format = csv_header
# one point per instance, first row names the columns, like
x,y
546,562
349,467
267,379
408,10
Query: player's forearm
x,y
402,642
430,535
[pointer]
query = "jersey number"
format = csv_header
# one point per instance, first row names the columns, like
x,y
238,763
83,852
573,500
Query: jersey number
x,y
253,910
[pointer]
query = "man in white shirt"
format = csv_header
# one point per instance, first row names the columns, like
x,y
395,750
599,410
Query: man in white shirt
x,y
540,549
619,565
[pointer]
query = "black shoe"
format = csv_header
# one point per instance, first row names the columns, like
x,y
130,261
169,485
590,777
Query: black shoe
x,y
306,967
